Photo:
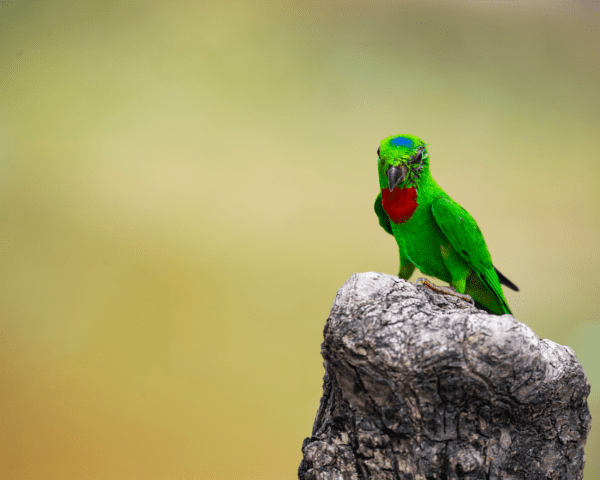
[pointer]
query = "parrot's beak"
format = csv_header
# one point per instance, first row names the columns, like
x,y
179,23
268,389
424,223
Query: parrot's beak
x,y
396,175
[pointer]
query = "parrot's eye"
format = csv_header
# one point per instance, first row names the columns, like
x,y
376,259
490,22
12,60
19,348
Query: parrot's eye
x,y
378,150
418,157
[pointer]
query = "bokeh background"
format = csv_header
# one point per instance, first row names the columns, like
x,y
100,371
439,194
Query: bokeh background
x,y
185,185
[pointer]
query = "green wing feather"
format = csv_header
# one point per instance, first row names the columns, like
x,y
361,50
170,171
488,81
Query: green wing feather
x,y
384,220
466,238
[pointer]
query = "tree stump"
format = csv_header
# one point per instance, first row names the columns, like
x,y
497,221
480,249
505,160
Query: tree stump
x,y
425,386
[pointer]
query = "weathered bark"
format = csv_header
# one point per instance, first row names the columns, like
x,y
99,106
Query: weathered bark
x,y
424,386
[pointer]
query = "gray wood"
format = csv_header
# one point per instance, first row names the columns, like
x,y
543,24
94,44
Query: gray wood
x,y
424,386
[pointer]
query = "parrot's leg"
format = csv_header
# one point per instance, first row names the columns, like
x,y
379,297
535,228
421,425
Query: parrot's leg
x,y
406,270
444,290
459,272
406,266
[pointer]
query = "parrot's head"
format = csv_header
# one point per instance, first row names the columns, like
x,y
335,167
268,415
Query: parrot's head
x,y
402,161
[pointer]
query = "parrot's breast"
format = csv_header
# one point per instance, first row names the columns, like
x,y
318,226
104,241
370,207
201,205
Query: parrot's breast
x,y
399,204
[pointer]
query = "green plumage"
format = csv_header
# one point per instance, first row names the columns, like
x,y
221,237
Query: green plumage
x,y
436,235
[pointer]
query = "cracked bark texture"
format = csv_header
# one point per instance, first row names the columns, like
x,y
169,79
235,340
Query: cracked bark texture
x,y
424,386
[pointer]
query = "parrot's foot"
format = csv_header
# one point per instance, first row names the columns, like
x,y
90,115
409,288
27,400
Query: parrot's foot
x,y
444,290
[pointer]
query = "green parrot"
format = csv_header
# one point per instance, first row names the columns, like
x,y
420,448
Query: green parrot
x,y
433,232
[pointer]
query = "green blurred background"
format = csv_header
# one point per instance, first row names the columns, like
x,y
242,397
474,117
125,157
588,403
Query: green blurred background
x,y
185,185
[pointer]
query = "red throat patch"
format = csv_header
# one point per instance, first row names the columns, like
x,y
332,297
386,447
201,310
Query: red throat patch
x,y
399,204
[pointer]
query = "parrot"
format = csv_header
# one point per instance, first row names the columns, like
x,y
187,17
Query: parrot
x,y
433,232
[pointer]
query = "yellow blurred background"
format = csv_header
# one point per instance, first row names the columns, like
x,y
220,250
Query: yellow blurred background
x,y
185,185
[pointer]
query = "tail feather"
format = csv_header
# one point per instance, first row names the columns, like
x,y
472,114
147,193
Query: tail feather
x,y
506,281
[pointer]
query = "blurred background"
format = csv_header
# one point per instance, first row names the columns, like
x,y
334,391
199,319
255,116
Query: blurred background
x,y
185,185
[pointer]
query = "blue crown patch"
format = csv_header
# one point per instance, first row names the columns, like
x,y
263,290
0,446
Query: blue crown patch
x,y
402,142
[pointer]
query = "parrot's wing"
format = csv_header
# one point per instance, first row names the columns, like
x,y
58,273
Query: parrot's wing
x,y
384,220
466,238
